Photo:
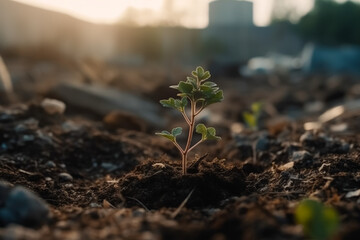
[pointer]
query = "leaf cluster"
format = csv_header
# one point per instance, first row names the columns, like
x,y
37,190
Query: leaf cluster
x,y
196,89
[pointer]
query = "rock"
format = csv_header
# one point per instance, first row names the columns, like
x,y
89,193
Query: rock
x,y
336,146
65,177
53,106
101,100
21,206
95,205
262,144
140,212
50,164
309,140
301,156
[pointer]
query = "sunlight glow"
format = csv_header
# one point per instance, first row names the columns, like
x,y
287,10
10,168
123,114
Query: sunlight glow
x,y
188,13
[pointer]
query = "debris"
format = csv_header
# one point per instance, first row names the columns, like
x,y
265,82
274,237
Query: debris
x,y
351,194
286,166
5,79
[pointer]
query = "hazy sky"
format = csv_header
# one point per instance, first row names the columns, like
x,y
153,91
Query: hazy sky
x,y
191,13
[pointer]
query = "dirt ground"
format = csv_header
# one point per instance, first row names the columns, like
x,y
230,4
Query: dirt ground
x,y
103,183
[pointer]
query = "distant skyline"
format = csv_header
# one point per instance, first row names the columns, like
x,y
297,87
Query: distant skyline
x,y
188,13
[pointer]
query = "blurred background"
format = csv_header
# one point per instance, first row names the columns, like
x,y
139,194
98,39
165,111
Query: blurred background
x,y
262,50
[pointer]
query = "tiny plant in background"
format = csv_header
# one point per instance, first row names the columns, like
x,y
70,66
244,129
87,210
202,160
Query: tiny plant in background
x,y
252,118
318,221
198,93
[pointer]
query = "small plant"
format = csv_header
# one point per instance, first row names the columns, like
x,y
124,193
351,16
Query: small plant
x,y
252,118
319,222
200,93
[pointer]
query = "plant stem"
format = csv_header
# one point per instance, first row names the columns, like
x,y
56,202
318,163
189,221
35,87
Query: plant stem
x,y
191,130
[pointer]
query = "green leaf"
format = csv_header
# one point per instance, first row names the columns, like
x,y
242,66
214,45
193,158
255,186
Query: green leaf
x,y
319,222
210,84
170,103
206,133
176,131
183,87
205,76
192,81
167,135
211,134
256,108
184,102
174,103
201,129
217,97
250,120
200,72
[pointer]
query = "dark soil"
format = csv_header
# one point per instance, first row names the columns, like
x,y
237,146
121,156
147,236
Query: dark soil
x,y
128,184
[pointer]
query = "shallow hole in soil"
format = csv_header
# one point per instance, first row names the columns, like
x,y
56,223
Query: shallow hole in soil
x,y
158,187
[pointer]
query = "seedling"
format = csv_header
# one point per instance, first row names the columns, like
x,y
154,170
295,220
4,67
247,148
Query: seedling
x,y
200,93
319,222
252,118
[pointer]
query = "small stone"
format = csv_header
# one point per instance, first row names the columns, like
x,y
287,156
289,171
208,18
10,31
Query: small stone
x,y
109,166
62,165
95,205
65,177
158,165
23,207
262,144
301,156
211,211
50,164
139,212
53,106
48,179
68,185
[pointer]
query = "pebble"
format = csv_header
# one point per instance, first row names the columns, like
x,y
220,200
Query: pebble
x,y
50,164
139,212
68,185
48,179
301,156
262,144
21,206
95,205
65,177
53,106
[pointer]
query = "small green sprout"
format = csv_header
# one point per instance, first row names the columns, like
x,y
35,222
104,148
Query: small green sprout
x,y
252,118
200,93
319,222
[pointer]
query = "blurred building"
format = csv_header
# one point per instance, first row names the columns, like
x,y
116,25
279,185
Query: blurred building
x,y
230,13
231,35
